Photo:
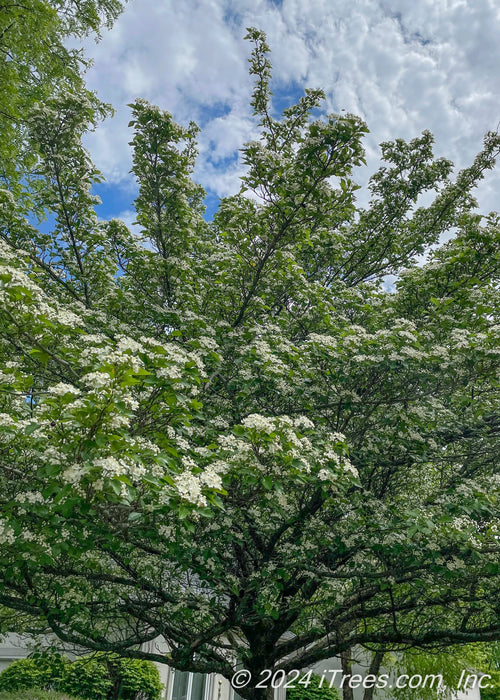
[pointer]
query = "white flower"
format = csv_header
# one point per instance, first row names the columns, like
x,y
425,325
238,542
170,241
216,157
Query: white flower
x,y
131,403
145,444
282,500
6,533
219,466
136,471
170,372
165,530
188,487
111,466
6,420
183,444
188,462
7,378
67,318
34,497
97,380
411,352
53,455
332,456
303,423
208,343
73,474
61,389
125,343
211,479
348,467
258,422
93,338
119,421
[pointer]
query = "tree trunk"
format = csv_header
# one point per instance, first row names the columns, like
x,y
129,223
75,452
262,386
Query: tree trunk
x,y
374,670
260,693
346,661
115,678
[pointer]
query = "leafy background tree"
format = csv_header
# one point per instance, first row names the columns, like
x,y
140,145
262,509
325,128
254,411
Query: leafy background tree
x,y
432,673
35,64
229,434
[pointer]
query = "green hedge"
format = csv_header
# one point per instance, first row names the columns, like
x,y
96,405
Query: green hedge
x,y
95,677
492,693
87,678
25,673
134,679
313,691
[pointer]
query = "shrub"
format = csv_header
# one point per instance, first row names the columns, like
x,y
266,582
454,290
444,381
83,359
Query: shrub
x,y
109,677
97,677
22,674
313,691
53,666
492,693
134,679
87,678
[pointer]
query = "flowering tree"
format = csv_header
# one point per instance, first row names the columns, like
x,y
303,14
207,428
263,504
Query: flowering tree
x,y
231,433
36,63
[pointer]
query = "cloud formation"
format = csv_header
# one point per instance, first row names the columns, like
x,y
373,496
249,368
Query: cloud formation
x,y
403,67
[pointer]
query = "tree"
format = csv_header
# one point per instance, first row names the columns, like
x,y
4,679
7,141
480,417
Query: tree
x,y
35,64
230,433
425,675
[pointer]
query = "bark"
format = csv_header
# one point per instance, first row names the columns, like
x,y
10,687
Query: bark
x,y
260,693
346,661
374,670
115,678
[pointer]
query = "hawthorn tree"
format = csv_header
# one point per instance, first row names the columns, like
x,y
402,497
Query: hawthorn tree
x,y
35,63
231,434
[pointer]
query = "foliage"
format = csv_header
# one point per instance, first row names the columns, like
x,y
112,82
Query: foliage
x,y
54,665
22,674
19,622
494,656
36,64
313,691
134,679
492,667
45,670
87,678
231,434
96,677
492,693
449,664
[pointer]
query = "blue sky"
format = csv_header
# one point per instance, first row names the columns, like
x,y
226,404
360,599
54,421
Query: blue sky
x,y
402,66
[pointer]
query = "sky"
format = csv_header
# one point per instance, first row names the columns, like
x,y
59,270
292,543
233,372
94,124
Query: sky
x,y
403,66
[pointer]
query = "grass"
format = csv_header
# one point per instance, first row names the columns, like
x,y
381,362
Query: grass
x,y
35,694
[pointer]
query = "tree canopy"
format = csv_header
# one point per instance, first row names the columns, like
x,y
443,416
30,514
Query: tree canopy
x,y
232,433
35,64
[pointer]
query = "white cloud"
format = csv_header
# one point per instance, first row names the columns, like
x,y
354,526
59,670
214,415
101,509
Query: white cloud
x,y
403,67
